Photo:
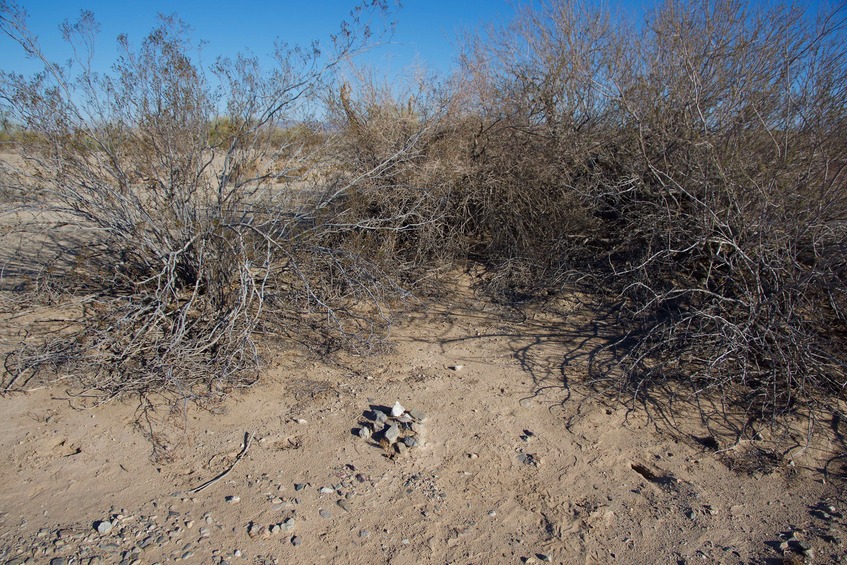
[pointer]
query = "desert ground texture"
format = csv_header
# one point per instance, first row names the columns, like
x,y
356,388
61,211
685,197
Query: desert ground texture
x,y
517,461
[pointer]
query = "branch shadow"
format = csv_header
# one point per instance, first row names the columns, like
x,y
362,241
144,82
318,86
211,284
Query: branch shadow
x,y
574,350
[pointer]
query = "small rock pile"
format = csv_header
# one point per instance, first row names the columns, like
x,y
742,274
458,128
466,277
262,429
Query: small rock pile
x,y
395,431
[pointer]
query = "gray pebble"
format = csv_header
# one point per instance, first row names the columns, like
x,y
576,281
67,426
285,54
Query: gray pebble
x,y
295,541
392,433
104,527
325,513
58,561
364,533
299,486
254,530
410,441
344,505
417,415
380,416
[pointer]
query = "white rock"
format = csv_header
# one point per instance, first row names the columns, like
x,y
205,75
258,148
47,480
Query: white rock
x,y
397,409
104,526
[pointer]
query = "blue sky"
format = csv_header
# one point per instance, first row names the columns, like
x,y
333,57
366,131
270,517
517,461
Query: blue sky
x,y
426,31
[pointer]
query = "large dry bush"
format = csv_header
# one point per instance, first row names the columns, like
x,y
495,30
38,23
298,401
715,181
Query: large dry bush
x,y
542,141
733,254
191,198
692,171
405,145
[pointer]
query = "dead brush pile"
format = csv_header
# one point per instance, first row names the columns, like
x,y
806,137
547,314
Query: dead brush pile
x,y
703,164
689,174
194,233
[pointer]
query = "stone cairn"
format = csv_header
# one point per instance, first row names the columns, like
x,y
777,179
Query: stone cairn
x,y
395,430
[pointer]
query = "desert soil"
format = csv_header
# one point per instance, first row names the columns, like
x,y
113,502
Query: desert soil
x,y
518,461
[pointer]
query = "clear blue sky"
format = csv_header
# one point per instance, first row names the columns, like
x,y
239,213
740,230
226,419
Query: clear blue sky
x,y
426,29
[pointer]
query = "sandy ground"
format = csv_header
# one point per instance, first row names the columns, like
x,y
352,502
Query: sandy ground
x,y
517,463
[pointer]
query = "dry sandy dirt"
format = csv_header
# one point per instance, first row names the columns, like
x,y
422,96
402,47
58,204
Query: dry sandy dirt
x,y
518,462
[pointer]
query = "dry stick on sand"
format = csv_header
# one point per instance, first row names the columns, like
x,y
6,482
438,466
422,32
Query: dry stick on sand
x,y
248,437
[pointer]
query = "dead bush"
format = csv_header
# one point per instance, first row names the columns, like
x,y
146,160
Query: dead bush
x,y
406,151
198,220
692,171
